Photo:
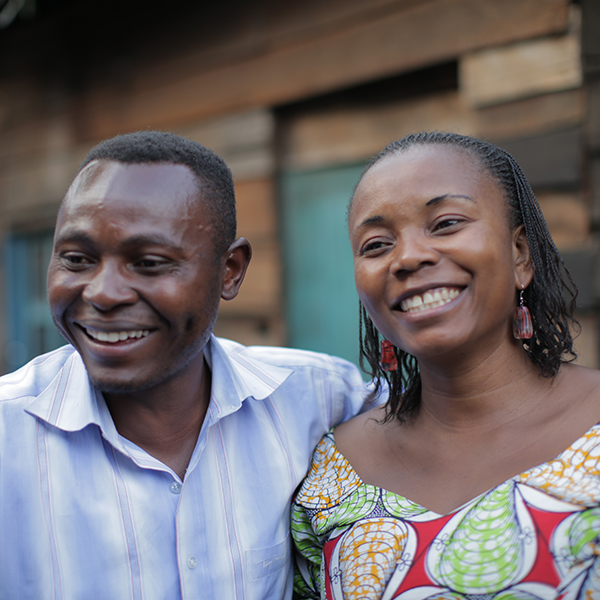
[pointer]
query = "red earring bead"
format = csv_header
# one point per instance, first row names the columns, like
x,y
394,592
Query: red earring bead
x,y
522,325
388,361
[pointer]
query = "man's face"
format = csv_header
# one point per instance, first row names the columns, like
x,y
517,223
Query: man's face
x,y
134,283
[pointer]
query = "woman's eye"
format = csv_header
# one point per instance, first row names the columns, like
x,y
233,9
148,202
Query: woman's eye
x,y
447,223
372,247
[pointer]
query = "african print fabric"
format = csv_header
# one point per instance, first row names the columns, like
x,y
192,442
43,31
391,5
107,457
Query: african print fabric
x,y
535,536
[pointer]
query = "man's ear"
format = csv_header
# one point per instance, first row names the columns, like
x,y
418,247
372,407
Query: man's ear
x,y
521,258
236,262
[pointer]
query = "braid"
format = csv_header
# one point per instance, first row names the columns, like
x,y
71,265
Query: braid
x,y
550,296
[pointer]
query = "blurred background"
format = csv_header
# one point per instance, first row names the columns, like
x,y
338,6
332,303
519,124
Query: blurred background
x,y
296,97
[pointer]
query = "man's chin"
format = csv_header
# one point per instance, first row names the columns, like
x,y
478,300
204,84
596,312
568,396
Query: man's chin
x,y
110,386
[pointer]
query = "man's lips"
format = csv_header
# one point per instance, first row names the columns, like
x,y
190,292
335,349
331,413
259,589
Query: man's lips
x,y
113,337
430,299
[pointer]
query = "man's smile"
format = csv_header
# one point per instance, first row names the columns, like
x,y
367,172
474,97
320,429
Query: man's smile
x,y
115,336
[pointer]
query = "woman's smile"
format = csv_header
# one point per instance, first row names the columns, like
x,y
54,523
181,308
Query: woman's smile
x,y
428,300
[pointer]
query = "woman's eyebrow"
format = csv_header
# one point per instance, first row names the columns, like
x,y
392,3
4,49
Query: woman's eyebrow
x,y
439,199
371,221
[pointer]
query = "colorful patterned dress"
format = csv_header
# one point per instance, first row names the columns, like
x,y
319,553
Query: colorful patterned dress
x,y
535,536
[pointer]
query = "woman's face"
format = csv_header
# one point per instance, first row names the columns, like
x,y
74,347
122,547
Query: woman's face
x,y
435,261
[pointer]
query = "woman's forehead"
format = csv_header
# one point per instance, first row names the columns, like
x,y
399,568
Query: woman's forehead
x,y
415,176
427,166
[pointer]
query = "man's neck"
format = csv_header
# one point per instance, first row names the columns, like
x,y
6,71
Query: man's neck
x,y
165,421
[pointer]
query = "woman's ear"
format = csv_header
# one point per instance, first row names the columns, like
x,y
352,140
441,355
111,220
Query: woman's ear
x,y
521,258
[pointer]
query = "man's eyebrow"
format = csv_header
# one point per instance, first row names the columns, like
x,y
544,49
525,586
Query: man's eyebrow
x,y
71,236
155,239
439,199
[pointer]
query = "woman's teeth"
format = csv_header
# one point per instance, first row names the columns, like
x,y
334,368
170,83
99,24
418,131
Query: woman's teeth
x,y
430,299
116,336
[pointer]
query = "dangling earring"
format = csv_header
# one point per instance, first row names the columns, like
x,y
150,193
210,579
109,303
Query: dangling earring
x,y
522,326
388,361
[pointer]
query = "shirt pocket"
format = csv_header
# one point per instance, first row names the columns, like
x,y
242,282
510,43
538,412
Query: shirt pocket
x,y
261,562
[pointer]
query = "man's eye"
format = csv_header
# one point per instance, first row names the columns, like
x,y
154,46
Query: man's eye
x,y
75,260
150,263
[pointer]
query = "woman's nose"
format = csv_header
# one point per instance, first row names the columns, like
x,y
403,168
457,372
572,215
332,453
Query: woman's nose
x,y
412,252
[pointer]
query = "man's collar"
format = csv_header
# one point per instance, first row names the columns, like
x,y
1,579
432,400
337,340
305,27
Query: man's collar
x,y
71,403
236,376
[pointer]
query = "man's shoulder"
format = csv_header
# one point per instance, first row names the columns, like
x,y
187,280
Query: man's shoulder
x,y
290,358
31,379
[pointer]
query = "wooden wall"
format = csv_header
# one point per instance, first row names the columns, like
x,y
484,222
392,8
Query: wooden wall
x,y
222,74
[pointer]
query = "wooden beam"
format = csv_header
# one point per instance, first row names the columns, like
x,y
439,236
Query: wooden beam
x,y
346,135
568,219
260,294
530,116
550,160
410,39
497,75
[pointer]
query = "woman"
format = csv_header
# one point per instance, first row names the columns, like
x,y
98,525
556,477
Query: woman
x,y
480,477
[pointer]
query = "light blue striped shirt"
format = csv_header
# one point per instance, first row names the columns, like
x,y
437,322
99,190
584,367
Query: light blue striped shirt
x,y
87,515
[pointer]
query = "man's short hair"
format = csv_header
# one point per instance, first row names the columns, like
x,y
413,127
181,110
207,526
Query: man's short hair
x,y
215,181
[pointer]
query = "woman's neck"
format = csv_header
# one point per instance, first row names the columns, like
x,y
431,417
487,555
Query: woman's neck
x,y
484,391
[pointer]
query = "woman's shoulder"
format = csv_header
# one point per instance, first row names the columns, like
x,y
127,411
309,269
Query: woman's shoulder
x,y
360,429
330,478
576,371
581,383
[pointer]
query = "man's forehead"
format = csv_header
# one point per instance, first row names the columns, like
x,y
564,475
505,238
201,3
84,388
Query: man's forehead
x,y
151,182
132,197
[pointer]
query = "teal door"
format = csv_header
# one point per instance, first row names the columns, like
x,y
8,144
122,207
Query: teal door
x,y
321,300
30,329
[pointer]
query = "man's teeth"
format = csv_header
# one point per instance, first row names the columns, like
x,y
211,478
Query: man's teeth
x,y
116,336
430,299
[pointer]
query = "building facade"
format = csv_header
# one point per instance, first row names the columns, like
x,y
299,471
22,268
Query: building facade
x,y
296,97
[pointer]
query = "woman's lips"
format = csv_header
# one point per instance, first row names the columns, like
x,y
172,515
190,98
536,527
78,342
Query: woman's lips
x,y
429,299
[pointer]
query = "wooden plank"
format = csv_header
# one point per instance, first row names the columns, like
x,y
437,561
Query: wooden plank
x,y
349,135
568,219
425,34
231,134
260,295
282,24
244,140
531,115
593,117
354,134
520,70
581,264
590,35
594,182
37,183
256,211
587,343
551,160
251,331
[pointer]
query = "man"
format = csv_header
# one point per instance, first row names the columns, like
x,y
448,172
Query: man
x,y
150,460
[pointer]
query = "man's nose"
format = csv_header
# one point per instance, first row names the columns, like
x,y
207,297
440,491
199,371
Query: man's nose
x,y
413,251
109,287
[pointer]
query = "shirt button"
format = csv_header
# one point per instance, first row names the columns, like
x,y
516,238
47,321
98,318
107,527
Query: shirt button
x,y
176,487
192,562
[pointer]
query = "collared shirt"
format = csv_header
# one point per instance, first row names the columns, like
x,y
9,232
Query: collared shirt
x,y
85,514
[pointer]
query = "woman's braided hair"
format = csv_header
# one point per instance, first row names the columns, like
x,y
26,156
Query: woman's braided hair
x,y
550,296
